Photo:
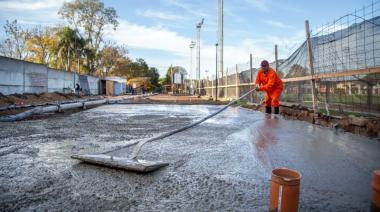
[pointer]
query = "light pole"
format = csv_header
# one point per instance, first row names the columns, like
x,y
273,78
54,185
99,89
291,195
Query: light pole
x,y
221,35
199,26
216,72
192,45
171,78
206,81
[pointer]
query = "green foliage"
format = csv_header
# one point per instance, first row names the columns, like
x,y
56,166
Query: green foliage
x,y
92,17
77,46
70,46
41,45
169,73
154,76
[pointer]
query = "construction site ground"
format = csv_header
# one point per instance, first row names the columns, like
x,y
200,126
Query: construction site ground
x,y
223,164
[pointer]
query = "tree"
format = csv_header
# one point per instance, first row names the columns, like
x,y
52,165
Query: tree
x,y
15,44
170,71
92,17
68,44
154,76
296,71
110,54
122,68
41,44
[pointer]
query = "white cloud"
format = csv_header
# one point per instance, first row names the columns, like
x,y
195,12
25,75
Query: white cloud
x,y
189,8
30,4
173,47
158,38
277,24
158,14
33,12
259,4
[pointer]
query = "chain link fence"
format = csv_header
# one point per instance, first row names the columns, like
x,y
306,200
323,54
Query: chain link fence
x,y
346,60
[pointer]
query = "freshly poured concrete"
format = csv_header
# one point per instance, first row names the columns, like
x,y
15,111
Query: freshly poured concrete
x,y
222,164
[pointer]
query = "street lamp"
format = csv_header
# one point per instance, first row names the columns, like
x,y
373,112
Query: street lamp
x,y
199,26
216,72
192,45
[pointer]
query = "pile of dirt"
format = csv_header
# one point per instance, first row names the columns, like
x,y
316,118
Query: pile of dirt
x,y
366,126
33,98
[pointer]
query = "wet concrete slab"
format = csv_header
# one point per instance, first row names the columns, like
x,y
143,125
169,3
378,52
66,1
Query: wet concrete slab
x,y
223,164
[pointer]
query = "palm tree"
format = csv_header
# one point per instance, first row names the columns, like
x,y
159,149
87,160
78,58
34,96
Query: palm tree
x,y
67,45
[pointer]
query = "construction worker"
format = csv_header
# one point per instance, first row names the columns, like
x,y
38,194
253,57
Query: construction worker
x,y
267,80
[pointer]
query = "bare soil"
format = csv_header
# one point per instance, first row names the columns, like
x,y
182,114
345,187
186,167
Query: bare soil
x,y
33,99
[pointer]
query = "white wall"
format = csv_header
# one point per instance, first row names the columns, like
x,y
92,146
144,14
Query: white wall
x,y
18,76
11,76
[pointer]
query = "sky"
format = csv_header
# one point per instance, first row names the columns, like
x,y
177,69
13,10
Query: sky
x,y
160,31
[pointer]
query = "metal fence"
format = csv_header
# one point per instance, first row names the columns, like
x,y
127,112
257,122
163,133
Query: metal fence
x,y
346,67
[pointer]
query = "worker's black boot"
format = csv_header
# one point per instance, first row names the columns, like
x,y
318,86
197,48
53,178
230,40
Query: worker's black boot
x,y
276,110
268,109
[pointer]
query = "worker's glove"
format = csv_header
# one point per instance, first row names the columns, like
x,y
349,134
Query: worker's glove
x,y
257,88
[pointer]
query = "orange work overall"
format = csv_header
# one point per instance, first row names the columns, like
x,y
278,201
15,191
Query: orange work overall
x,y
271,84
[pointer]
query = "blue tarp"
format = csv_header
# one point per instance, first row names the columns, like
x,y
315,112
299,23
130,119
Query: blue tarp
x,y
118,88
124,88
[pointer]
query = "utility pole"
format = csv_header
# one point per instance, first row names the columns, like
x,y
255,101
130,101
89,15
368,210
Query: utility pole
x,y
237,82
199,26
206,84
192,45
216,72
226,82
251,69
171,78
220,39
310,54
276,57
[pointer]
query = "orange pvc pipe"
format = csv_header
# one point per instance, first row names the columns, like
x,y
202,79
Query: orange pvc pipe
x,y
376,191
284,190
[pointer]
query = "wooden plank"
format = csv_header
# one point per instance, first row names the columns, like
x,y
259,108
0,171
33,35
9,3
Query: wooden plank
x,y
348,73
335,74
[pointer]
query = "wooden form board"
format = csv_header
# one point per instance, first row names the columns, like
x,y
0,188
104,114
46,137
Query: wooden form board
x,y
318,76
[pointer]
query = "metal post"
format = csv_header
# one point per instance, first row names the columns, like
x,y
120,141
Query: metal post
x,y
212,87
225,93
171,78
198,61
221,35
328,95
251,69
276,56
310,55
192,45
237,83
216,72
369,92
199,26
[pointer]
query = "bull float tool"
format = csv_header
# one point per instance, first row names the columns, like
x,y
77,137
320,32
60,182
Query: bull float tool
x,y
137,165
